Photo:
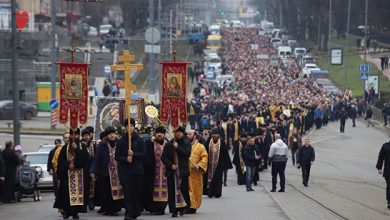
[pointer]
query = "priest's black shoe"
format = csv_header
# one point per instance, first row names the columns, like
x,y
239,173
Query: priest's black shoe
x,y
281,190
174,215
273,190
181,213
65,216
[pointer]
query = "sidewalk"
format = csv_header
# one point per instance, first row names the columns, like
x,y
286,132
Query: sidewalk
x,y
377,62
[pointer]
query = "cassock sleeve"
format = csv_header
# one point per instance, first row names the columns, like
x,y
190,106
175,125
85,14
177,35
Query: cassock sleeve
x,y
62,164
204,159
165,157
140,151
97,159
381,158
121,151
227,163
185,151
81,158
49,160
2,167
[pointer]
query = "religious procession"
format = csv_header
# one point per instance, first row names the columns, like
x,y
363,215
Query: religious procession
x,y
250,124
146,159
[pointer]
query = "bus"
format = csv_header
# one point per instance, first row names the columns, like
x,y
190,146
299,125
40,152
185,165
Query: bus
x,y
214,42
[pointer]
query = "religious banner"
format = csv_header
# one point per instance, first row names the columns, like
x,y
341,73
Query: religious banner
x,y
174,92
73,93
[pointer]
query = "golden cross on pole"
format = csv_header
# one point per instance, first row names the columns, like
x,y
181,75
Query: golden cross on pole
x,y
126,58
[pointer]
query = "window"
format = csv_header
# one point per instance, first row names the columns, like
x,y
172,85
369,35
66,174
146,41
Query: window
x,y
37,158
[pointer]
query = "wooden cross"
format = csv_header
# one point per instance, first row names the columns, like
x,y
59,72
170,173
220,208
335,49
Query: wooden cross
x,y
126,58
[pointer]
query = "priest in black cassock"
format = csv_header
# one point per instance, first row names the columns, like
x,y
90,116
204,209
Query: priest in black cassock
x,y
219,160
176,156
238,160
131,169
105,168
70,169
156,183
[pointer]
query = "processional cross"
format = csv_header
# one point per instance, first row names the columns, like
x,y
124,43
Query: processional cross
x,y
126,58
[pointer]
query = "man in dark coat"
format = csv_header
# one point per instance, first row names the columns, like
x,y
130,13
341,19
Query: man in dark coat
x,y
105,168
11,161
50,168
176,160
2,176
251,160
219,160
156,185
90,147
343,117
305,160
131,169
384,158
238,160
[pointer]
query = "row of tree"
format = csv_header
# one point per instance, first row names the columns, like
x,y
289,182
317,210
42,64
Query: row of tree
x,y
134,12
308,20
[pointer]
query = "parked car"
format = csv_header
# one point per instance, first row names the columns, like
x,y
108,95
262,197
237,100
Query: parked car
x,y
27,111
308,68
276,42
299,51
167,34
92,32
105,29
46,147
39,159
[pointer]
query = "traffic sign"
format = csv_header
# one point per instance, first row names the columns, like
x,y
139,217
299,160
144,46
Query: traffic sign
x,y
363,75
152,35
364,68
150,48
107,69
54,104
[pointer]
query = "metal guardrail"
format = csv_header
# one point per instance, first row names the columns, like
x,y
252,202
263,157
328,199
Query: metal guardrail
x,y
377,114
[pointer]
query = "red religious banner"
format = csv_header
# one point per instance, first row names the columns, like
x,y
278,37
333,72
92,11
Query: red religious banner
x,y
73,93
174,92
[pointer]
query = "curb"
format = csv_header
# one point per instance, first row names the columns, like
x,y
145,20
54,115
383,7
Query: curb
x,y
284,209
46,133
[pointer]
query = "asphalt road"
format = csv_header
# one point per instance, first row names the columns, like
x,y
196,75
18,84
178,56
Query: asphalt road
x,y
344,184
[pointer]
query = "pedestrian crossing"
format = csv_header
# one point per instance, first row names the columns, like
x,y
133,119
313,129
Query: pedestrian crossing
x,y
323,134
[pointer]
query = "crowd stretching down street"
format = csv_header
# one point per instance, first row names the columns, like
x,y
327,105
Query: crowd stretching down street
x,y
251,124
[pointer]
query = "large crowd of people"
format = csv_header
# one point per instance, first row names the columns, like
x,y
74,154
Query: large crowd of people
x,y
262,114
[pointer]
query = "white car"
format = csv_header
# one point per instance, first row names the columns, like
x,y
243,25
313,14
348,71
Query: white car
x,y
276,42
39,159
92,32
104,29
236,23
308,68
45,147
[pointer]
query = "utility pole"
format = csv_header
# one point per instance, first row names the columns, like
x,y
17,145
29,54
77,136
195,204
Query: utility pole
x,y
365,33
151,55
280,15
170,31
346,51
53,53
330,23
15,74
365,41
159,14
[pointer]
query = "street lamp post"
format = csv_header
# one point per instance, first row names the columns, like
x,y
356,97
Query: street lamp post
x,y
365,40
53,55
15,74
346,45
